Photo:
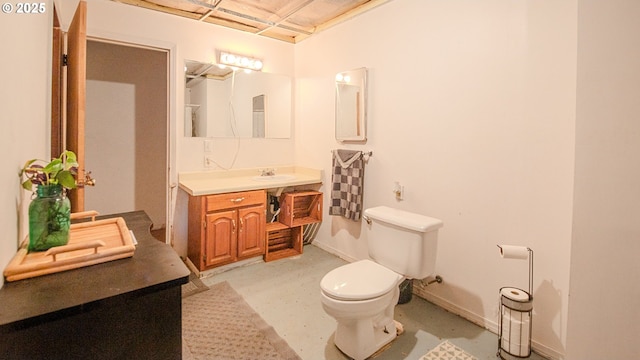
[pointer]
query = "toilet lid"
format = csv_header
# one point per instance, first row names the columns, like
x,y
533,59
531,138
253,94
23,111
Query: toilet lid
x,y
359,280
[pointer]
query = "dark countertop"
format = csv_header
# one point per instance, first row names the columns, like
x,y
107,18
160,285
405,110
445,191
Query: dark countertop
x,y
154,266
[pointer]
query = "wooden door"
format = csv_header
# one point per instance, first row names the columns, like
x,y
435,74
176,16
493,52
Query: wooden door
x,y
76,97
220,239
57,145
251,232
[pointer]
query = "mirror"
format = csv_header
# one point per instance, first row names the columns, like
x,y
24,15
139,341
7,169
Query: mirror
x,y
222,103
351,105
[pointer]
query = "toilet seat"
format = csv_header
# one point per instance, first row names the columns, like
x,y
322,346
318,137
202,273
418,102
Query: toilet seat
x,y
360,280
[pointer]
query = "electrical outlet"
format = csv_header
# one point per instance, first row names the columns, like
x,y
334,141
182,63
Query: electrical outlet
x,y
398,190
208,161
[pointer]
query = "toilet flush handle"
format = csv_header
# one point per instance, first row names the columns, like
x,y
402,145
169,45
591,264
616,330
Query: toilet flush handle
x,y
366,218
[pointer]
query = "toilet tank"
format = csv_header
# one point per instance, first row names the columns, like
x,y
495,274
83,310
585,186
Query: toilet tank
x,y
402,241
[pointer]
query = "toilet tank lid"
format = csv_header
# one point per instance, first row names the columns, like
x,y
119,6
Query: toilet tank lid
x,y
405,219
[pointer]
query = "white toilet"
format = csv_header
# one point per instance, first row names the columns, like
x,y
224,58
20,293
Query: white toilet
x,y
362,295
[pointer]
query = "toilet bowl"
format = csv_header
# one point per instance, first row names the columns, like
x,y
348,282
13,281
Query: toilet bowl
x,y
362,295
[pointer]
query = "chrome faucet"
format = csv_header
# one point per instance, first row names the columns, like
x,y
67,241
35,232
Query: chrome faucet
x,y
268,172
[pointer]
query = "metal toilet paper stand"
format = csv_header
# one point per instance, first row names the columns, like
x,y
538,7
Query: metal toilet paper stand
x,y
516,306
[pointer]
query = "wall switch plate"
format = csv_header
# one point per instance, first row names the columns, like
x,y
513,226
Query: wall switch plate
x,y
208,146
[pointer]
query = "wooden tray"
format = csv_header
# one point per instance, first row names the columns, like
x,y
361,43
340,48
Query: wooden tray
x,y
90,243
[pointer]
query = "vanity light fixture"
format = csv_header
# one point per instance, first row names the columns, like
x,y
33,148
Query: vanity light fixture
x,y
343,78
239,61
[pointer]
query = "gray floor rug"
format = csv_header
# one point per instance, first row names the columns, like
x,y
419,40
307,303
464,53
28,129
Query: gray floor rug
x,y
194,286
219,324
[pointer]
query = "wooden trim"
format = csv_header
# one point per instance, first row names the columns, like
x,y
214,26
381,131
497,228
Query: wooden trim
x,y
341,18
200,17
57,131
76,96
303,33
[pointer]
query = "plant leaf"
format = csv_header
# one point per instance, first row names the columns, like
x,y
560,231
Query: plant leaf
x,y
60,170
27,164
27,185
66,179
70,156
53,167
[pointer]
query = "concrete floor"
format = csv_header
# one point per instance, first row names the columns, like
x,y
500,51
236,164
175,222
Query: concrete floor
x,y
286,293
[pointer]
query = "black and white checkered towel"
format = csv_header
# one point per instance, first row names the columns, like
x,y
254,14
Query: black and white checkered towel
x,y
347,184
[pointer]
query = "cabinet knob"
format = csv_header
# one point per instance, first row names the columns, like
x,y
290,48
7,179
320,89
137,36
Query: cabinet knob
x,y
237,200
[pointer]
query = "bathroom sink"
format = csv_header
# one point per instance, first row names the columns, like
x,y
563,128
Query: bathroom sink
x,y
283,177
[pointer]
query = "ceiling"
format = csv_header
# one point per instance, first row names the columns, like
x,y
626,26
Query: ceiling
x,y
287,20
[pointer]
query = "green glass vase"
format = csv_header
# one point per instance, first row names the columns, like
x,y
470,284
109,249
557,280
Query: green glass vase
x,y
49,218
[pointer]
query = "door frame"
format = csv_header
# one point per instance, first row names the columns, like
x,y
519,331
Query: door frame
x,y
171,175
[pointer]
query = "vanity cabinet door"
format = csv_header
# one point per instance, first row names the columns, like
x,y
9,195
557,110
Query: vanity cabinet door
x,y
225,228
220,238
251,231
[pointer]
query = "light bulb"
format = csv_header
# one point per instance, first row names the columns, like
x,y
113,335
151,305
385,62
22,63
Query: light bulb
x,y
237,61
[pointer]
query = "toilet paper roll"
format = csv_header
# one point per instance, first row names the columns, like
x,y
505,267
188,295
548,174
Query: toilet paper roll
x,y
515,321
515,333
514,294
513,252
519,350
516,299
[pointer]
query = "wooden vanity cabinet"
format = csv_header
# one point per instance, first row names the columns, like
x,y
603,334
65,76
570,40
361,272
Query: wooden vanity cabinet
x,y
297,210
225,228
251,231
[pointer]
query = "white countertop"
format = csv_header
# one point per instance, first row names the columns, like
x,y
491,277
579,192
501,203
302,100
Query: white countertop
x,y
224,181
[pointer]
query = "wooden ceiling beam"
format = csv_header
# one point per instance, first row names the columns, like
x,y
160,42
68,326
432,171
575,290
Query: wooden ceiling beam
x,y
290,14
194,16
341,18
209,17
151,6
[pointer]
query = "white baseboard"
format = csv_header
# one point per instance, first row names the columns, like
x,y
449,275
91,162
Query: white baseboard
x,y
455,309
334,251
485,323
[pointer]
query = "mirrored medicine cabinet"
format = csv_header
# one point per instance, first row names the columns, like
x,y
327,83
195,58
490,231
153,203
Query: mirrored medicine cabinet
x,y
222,103
351,105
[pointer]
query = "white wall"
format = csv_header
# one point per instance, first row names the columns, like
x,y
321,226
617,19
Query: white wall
x,y
472,110
114,170
126,129
481,132
198,41
191,40
605,271
25,105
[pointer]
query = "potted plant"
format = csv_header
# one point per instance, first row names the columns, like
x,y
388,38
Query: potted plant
x,y
50,209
